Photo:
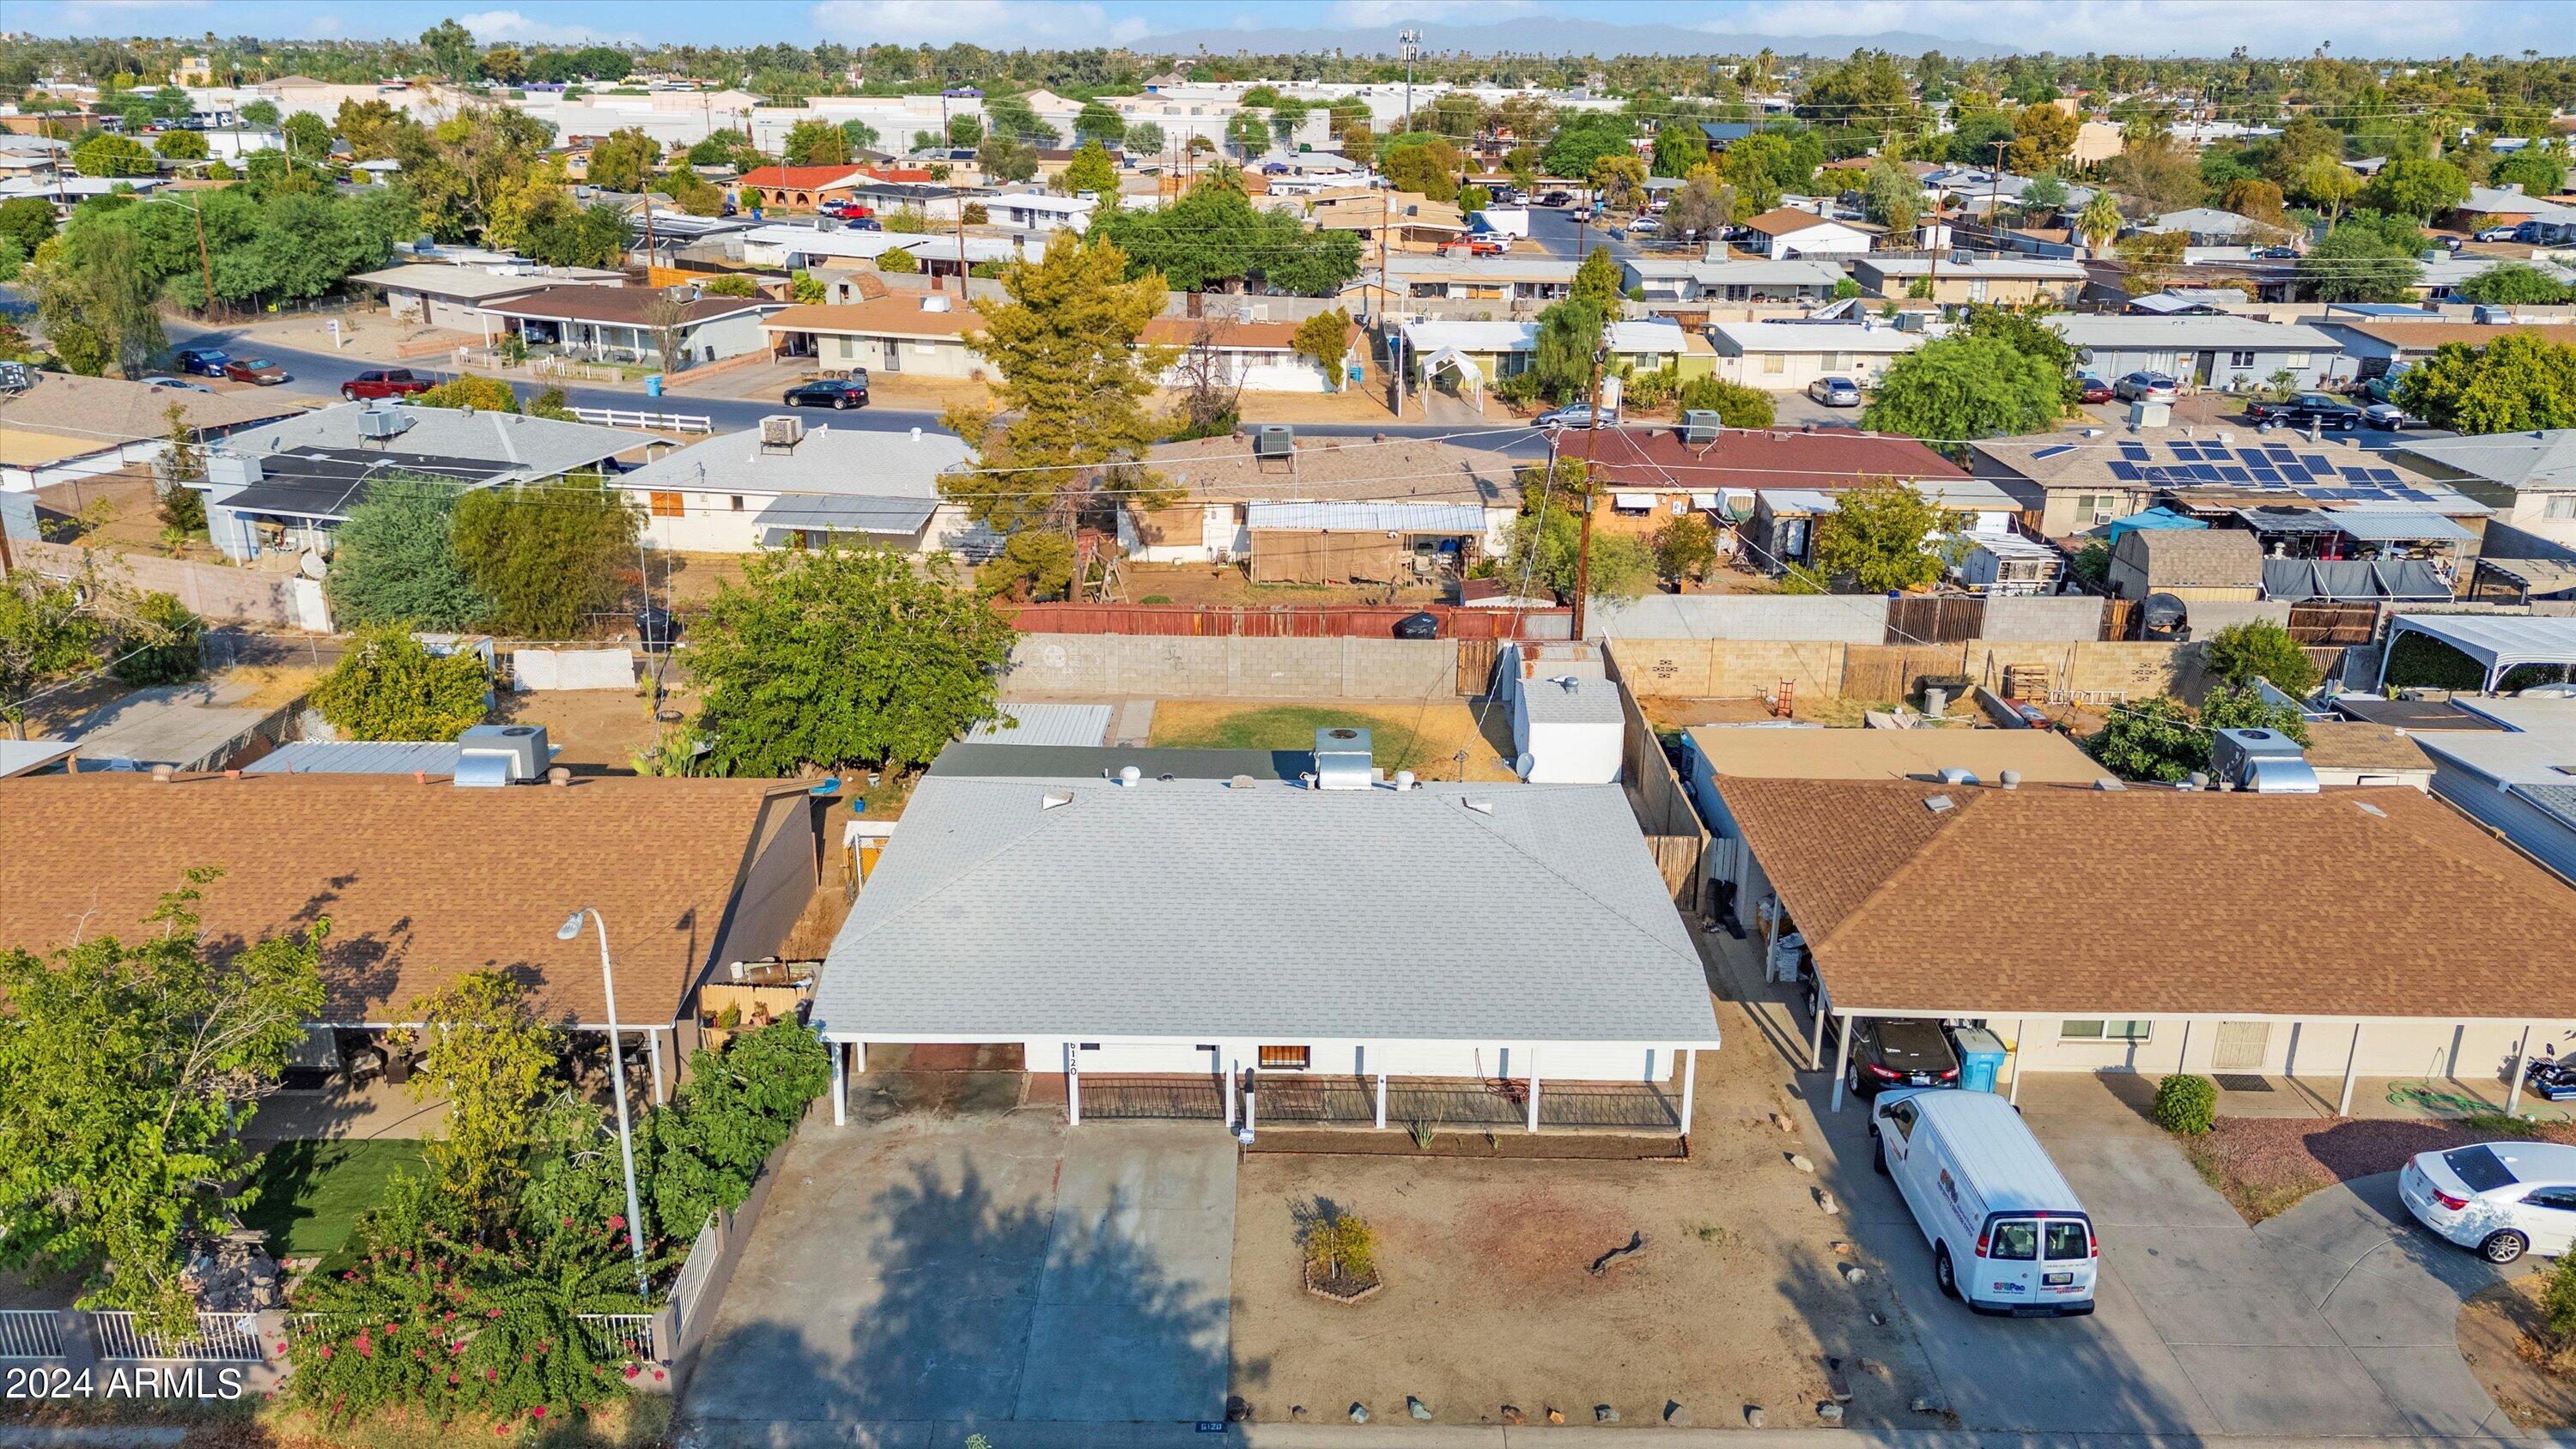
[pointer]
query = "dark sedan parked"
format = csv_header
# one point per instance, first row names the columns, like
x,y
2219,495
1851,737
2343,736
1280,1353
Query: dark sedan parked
x,y
1896,1051
201,361
2303,410
830,392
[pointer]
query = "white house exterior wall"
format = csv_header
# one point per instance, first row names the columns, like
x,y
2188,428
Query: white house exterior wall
x,y
2307,369
1830,240
2476,1053
1554,1061
1797,369
924,356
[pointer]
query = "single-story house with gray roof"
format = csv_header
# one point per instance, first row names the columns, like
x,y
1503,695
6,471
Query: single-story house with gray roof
x,y
1358,951
799,485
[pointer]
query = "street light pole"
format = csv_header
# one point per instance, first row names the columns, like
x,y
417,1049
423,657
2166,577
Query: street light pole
x,y
570,930
1591,450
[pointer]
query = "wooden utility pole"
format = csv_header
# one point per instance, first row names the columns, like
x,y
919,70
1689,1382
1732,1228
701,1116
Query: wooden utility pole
x,y
205,262
960,194
1591,449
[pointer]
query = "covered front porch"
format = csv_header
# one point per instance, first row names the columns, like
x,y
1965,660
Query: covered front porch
x,y
1409,1103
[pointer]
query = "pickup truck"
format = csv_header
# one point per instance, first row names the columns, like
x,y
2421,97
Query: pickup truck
x,y
383,382
2305,410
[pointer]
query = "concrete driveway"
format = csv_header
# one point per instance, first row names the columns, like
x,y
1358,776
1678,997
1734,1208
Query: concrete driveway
x,y
2335,1319
916,1279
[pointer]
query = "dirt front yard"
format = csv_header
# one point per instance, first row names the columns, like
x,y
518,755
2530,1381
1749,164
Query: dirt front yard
x,y
1736,1300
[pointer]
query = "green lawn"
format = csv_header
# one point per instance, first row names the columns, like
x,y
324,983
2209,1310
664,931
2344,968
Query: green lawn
x,y
1193,724
311,1192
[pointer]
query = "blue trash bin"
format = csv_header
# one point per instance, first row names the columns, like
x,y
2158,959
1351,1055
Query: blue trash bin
x,y
652,384
1981,1058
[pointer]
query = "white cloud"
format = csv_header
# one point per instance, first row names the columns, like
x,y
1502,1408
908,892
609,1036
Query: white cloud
x,y
1000,24
116,17
493,27
2140,27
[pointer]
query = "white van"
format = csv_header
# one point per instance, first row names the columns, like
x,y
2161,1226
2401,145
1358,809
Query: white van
x,y
2007,1234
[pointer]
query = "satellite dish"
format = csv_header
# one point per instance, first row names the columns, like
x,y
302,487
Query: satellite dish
x,y
312,565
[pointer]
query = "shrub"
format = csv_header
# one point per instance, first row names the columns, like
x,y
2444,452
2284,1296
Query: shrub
x,y
1340,1246
159,645
390,687
2259,648
732,286
1736,406
2558,1306
2186,1104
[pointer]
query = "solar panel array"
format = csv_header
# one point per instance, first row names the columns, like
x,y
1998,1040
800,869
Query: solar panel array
x,y
2278,467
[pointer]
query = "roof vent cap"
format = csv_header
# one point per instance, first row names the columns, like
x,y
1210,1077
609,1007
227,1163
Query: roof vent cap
x,y
1940,804
1130,777
2010,779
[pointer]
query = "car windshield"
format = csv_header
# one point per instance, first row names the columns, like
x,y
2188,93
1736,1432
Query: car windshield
x,y
257,362
2479,1167
2016,1241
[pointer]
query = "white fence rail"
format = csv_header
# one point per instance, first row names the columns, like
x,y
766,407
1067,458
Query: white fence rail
x,y
221,1337
694,1272
661,422
620,1333
30,1333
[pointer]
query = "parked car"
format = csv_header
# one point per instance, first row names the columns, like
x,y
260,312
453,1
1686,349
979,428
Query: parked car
x,y
2383,388
2502,1199
2092,389
2008,1235
863,223
1835,392
1557,198
1900,1051
1645,221
2497,234
2145,387
378,382
830,392
255,370
1577,415
2304,410
2388,417
201,361
163,379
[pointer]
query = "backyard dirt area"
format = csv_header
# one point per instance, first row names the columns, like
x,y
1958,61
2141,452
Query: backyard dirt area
x,y
2503,1338
1426,738
1489,1301
597,731
1228,586
2263,1166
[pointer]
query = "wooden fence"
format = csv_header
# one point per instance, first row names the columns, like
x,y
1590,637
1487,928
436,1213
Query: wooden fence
x,y
1662,805
1286,621
2334,624
1930,619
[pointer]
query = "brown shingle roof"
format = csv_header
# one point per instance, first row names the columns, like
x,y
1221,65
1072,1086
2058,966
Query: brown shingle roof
x,y
2426,336
108,411
617,306
1399,470
2194,557
1749,458
1784,220
2061,899
423,883
2353,745
893,315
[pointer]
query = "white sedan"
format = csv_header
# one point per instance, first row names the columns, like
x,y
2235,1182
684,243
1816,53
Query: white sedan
x,y
2502,1199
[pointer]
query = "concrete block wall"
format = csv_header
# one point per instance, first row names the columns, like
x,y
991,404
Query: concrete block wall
x,y
1143,665
218,592
1718,668
1713,668
2015,619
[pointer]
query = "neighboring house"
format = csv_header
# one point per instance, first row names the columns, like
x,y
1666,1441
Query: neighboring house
x,y
1785,232
802,248
1479,353
2076,484
1339,485
920,333
795,188
1781,530
2188,563
2520,783
793,484
66,192
2509,205
2442,278
2378,346
2001,281
2228,352
1786,356
2529,479
2006,563
1407,221
1906,894
1004,910
618,323
1662,280
1038,211
1526,278
2353,752
66,427
425,882
288,486
1643,477
2190,302
454,297
1254,356
2209,226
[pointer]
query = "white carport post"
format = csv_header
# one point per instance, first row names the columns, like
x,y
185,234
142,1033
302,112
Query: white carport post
x,y
2521,1064
840,1083
2351,1064
1072,1086
1381,1101
1232,1071
653,1053
1816,1043
2021,1028
1533,1089
1842,1058
1690,1084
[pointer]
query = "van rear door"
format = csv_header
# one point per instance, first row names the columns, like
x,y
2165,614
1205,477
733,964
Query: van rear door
x,y
2038,1263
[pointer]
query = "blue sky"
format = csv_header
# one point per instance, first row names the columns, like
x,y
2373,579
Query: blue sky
x,y
2269,27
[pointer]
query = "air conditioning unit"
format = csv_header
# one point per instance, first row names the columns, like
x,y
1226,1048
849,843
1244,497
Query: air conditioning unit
x,y
781,432
1344,759
1274,440
382,423
935,302
226,468
2262,762
520,749
1701,425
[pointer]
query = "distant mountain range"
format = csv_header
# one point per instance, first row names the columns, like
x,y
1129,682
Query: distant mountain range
x,y
1560,35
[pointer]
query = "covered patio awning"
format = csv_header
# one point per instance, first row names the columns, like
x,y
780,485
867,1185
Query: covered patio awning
x,y
2499,642
1439,518
2396,525
794,514
2538,578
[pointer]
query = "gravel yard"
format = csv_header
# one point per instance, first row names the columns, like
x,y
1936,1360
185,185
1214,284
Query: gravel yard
x,y
2265,1165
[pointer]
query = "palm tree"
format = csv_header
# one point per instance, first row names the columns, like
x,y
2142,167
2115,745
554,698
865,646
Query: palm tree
x,y
2099,221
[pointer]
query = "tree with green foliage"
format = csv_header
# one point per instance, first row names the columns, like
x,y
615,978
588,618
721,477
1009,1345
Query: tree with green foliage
x,y
2043,136
261,114
1145,138
726,148
2157,738
28,221
1596,280
394,562
2099,222
1099,124
2326,184
487,1053
105,155
470,390
1011,116
180,146
451,49
158,642
844,657
1736,405
50,630
1422,162
2415,187
1325,339
1545,545
1679,146
2513,284
308,137
1751,167
860,135
1035,563
1892,196
1957,388
549,559
1090,170
2043,196
731,1113
1881,538
815,143
389,686
1561,356
97,304
127,1074
2260,649
624,160
1582,139
2517,383
1004,158
2538,170
965,129
1686,548
1620,182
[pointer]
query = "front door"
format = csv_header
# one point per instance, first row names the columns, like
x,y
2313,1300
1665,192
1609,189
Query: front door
x,y
2242,1046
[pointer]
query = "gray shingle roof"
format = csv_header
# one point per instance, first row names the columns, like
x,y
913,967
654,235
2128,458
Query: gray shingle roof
x,y
849,462
531,448
1189,909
